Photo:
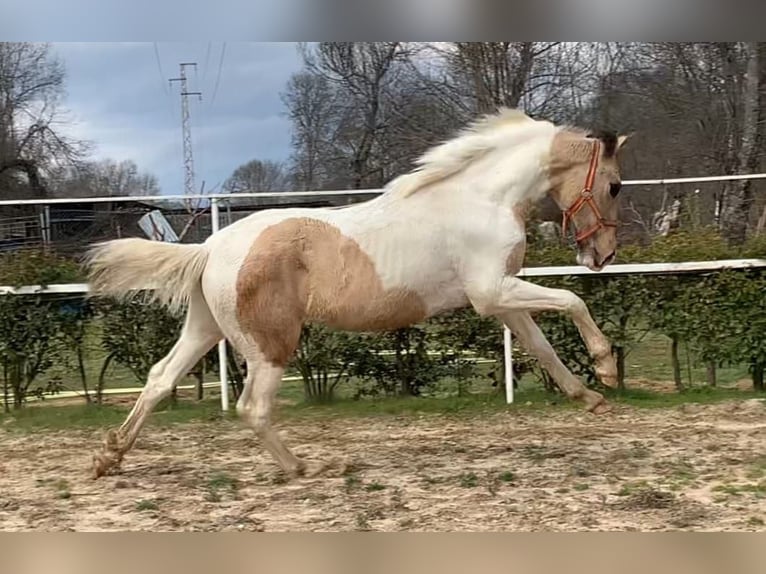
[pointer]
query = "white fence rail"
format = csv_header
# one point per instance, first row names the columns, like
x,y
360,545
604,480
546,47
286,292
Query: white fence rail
x,y
216,199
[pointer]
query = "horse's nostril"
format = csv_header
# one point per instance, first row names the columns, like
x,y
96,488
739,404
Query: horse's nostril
x,y
608,259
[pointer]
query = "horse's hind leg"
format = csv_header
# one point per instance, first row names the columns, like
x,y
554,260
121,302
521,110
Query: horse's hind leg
x,y
199,334
255,406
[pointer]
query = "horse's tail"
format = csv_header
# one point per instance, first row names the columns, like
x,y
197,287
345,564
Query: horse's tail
x,y
168,272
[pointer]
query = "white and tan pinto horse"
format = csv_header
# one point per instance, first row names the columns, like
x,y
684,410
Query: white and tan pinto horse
x,y
447,235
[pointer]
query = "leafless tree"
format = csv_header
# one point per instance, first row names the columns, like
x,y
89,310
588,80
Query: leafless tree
x,y
313,107
365,76
31,138
257,175
103,178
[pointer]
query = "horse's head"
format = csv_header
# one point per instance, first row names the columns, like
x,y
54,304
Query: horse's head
x,y
585,181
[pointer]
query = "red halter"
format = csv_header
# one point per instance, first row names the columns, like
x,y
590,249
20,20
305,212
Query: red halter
x,y
586,198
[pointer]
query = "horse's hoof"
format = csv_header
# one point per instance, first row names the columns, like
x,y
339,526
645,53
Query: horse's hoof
x,y
599,407
102,464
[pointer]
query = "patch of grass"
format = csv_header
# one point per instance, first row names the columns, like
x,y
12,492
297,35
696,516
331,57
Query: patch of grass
x,y
650,359
757,489
539,453
679,471
755,521
469,480
506,476
631,487
213,496
362,523
58,417
374,487
469,405
352,482
581,486
220,482
59,485
757,468
280,478
730,489
640,451
648,498
143,505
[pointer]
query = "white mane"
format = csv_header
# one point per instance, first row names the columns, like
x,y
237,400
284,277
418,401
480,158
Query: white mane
x,y
452,156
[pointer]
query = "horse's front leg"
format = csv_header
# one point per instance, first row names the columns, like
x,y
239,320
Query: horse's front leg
x,y
511,294
533,340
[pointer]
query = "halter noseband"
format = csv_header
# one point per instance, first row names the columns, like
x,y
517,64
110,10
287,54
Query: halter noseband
x,y
586,198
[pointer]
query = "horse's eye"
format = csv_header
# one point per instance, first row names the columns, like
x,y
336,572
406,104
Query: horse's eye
x,y
614,189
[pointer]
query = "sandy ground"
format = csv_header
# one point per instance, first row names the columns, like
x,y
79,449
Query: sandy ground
x,y
688,468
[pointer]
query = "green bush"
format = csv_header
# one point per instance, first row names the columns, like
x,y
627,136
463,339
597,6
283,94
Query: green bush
x,y
137,334
36,328
718,317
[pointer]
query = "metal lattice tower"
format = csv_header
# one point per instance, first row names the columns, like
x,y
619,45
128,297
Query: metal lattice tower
x,y
186,128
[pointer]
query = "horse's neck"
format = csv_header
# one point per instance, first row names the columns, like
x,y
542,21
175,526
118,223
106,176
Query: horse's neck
x,y
504,185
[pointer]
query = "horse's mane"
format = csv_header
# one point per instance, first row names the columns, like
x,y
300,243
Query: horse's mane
x,y
450,157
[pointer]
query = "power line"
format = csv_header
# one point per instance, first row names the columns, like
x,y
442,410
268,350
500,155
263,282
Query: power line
x,y
159,67
207,61
218,77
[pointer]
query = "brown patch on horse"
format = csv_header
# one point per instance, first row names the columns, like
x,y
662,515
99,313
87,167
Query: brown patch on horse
x,y
515,260
303,269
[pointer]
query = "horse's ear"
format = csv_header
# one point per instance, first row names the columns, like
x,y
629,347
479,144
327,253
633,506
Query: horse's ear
x,y
621,139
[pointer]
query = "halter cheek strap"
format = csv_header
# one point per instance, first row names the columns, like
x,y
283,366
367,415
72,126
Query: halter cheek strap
x,y
586,198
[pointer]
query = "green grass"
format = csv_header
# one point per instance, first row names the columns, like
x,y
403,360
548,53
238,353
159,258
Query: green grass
x,y
52,417
650,360
143,505
218,483
758,489
757,468
60,486
631,487
222,481
59,417
468,480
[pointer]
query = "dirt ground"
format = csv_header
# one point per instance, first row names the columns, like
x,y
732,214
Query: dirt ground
x,y
689,468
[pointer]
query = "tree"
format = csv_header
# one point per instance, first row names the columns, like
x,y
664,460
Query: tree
x,y
257,175
31,87
364,77
313,107
106,177
738,195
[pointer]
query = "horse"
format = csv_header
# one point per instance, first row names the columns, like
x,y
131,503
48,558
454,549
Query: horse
x,y
448,234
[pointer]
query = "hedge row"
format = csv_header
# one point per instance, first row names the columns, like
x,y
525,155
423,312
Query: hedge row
x,y
720,316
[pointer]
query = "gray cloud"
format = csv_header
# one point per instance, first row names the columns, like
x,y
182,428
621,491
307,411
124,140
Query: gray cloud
x,y
147,19
119,100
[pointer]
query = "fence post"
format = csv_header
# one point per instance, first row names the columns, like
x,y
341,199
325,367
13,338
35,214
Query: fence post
x,y
222,362
508,365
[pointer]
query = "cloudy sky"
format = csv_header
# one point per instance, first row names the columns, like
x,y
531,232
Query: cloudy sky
x,y
121,101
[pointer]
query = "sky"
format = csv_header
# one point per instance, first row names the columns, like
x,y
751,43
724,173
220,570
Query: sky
x,y
119,98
